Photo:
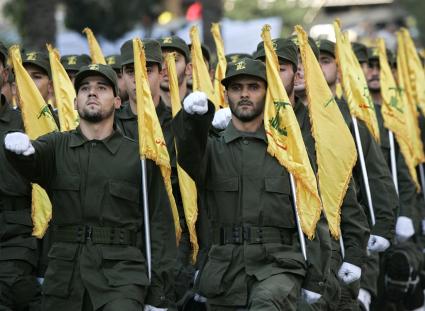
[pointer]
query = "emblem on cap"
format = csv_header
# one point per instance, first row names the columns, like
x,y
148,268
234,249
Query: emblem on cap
x,y
240,65
32,56
295,40
274,45
72,60
234,58
94,66
167,40
111,60
375,52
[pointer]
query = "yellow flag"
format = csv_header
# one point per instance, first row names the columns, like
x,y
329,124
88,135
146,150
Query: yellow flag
x,y
200,75
64,92
416,71
220,71
38,120
405,83
285,141
354,83
151,139
187,185
335,149
94,47
396,118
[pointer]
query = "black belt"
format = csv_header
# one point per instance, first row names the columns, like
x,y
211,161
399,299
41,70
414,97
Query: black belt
x,y
252,235
97,235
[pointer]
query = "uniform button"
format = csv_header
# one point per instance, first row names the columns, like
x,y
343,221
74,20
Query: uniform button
x,y
245,142
321,284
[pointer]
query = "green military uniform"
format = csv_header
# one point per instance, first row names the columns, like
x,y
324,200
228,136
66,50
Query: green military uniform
x,y
354,227
97,257
19,289
255,260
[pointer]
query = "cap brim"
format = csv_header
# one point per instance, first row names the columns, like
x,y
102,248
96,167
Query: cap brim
x,y
226,80
89,73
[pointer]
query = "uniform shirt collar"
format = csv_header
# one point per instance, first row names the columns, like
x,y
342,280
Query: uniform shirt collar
x,y
125,112
231,133
112,142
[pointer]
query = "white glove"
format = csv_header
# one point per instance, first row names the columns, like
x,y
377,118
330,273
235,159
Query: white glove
x,y
40,281
309,296
349,273
196,103
18,143
365,298
404,228
221,118
152,308
377,243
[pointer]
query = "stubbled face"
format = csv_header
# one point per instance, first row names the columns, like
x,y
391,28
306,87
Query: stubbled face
x,y
246,97
372,76
41,80
155,76
287,75
329,67
95,100
181,69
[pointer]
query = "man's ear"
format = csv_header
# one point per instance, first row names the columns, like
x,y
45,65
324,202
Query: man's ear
x,y
117,102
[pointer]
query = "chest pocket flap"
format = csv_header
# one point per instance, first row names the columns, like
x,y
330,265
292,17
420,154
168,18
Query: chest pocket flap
x,y
278,184
124,190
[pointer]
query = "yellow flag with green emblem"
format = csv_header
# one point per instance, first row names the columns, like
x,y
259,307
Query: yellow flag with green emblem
x,y
94,47
416,71
151,139
285,141
354,83
200,74
187,185
396,118
64,92
38,120
220,70
405,84
335,149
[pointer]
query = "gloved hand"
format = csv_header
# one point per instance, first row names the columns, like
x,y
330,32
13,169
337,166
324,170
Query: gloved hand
x,y
349,273
404,228
18,143
40,281
196,103
377,243
222,117
365,298
309,296
152,308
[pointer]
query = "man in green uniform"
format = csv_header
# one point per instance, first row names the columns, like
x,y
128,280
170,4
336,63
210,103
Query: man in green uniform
x,y
181,51
73,62
115,62
206,54
93,178
354,225
19,289
382,188
403,262
255,261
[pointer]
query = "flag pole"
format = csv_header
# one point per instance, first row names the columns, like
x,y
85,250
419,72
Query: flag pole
x,y
297,217
146,218
393,160
364,171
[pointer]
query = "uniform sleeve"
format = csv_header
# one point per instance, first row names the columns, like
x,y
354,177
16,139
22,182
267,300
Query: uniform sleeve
x,y
406,187
38,167
191,134
163,241
354,228
384,196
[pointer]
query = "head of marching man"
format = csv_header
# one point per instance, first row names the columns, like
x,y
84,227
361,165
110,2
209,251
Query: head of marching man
x,y
246,86
37,64
153,67
97,91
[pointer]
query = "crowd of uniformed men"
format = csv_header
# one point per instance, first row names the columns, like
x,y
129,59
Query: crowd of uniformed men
x,y
93,255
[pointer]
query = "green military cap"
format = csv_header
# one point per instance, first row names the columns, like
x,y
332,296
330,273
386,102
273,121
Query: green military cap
x,y
360,50
285,49
234,57
245,66
114,61
3,53
326,46
176,43
152,52
75,62
294,38
373,54
205,51
38,58
105,71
